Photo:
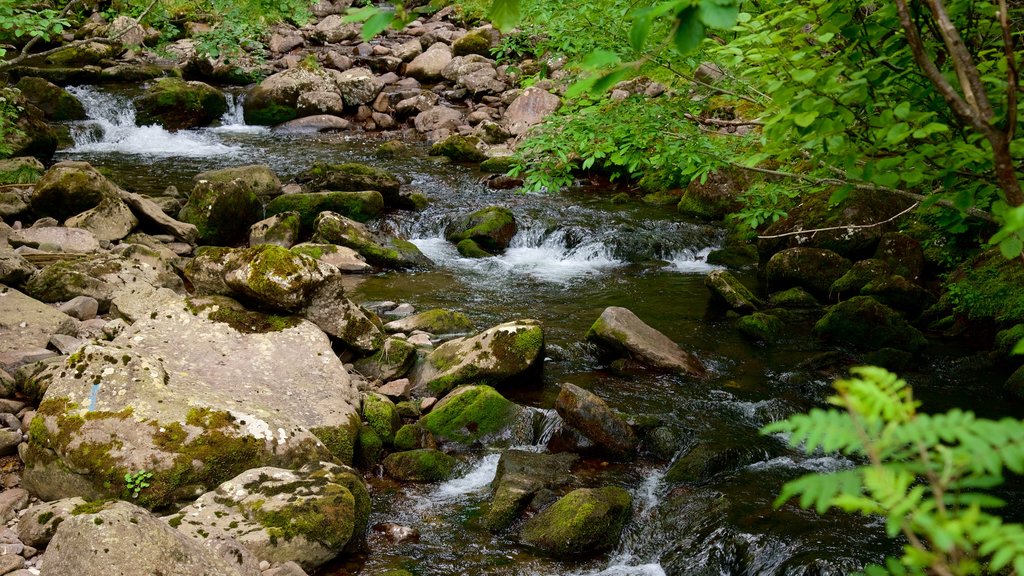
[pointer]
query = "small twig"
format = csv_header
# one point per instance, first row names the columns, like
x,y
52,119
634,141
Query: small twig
x,y
718,122
847,227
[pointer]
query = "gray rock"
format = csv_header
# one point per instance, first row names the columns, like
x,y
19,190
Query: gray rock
x,y
320,102
38,524
56,239
275,276
80,307
436,118
334,29
394,360
408,50
378,249
396,389
518,479
280,229
342,258
12,501
149,211
358,86
529,109
814,269
259,178
6,384
427,66
338,316
619,331
284,43
122,536
69,188
65,344
9,440
437,321
274,100
221,211
315,123
587,413
415,104
111,220
14,269
10,563
26,323
286,569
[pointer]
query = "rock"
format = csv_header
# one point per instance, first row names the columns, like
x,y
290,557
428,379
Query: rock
x,y
9,440
306,516
436,321
369,448
520,476
32,136
427,66
729,291
333,29
131,73
903,254
380,250
176,104
459,148
286,569
479,41
350,177
704,460
56,103
473,415
1015,383
435,118
863,322
14,269
320,102
64,344
359,206
12,501
619,331
899,293
26,323
503,353
857,277
794,298
589,414
394,360
716,196
315,123
13,564
379,413
56,238
150,212
813,269
529,109
342,258
259,178
127,31
491,228
281,229
275,99
119,534
221,211
584,521
193,401
69,188
761,327
399,389
268,274
423,465
358,86
343,319
37,525
475,73
110,220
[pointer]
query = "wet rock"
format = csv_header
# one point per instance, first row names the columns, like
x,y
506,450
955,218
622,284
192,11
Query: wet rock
x,y
275,99
394,360
491,228
459,148
857,277
619,331
342,258
259,178
380,414
588,413
704,460
436,118
110,220
899,293
863,322
177,104
794,299
903,254
761,327
396,533
729,291
427,66
32,136
358,86
56,103
503,353
69,188
281,229
316,123
422,465
529,109
359,206
584,521
478,415
350,177
127,72
715,197
305,516
437,321
378,249
221,211
119,534
813,269
520,476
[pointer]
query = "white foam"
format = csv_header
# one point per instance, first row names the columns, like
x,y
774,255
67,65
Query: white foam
x,y
692,261
472,483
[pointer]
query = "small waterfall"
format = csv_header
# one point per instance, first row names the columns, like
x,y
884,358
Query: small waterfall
x,y
234,119
111,128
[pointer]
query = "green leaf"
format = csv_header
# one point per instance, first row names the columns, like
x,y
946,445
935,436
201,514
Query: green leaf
x,y
600,59
901,110
719,13
505,14
641,29
1018,348
361,14
805,119
804,75
897,133
1011,246
377,24
689,30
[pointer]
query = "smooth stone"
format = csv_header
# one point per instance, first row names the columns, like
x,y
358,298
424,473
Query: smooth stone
x,y
81,307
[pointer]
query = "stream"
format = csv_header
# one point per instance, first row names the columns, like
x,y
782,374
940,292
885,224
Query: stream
x,y
575,254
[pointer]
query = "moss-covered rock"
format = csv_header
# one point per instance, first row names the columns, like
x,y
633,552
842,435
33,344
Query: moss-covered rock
x,y
1007,339
280,230
275,99
472,42
891,359
69,188
738,255
521,476
56,103
716,196
259,178
82,54
899,293
394,360
275,276
1015,383
704,460
359,206
584,521
730,292
350,177
986,289
903,254
491,228
761,327
414,436
863,322
222,211
22,170
476,414
176,104
459,148
861,274
498,164
795,298
423,465
379,413
586,412
391,149
369,448
810,268
436,321
470,249
378,249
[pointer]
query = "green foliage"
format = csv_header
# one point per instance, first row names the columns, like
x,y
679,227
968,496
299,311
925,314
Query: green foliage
x,y
765,203
135,482
9,111
19,21
927,475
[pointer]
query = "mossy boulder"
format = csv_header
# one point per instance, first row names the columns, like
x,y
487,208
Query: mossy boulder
x,y
21,170
590,415
378,249
986,290
436,321
306,516
422,465
281,229
351,177
865,323
858,276
491,228
80,55
498,164
1015,383
730,292
359,206
1006,340
521,476
714,197
473,42
177,104
897,292
259,178
222,211
761,327
705,460
414,436
369,448
504,353
275,99
813,269
470,249
478,414
903,254
69,188
459,148
379,413
275,276
583,522
394,360
795,298
56,103
342,258
621,334
734,255
391,149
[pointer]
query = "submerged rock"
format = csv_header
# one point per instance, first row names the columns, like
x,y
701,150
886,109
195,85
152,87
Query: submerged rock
x,y
583,522
588,413
619,331
727,290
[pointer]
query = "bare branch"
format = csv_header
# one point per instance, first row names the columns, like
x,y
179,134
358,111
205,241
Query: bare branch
x,y
718,122
967,72
847,227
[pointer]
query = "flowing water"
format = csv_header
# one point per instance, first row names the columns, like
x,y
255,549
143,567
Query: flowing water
x,y
574,255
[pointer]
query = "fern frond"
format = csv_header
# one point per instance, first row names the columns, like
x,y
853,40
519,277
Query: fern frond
x,y
820,491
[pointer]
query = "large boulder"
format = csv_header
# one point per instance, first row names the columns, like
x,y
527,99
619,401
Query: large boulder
x,y
306,516
110,220
716,196
503,353
222,211
192,400
813,269
586,412
530,109
474,72
479,415
275,99
27,324
730,292
69,188
31,135
280,229
358,86
378,249
427,67
492,228
177,104
437,118
394,360
350,177
584,521
14,269
56,103
522,475
621,333
420,465
118,537
437,321
56,239
259,178
359,206
865,323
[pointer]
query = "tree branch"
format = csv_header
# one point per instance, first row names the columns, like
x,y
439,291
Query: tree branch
x,y
1012,78
718,122
847,227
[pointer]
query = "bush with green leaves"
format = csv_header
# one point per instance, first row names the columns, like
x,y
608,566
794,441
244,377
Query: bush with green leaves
x,y
929,476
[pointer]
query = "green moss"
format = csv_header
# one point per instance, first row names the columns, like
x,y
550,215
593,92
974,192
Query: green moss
x,y
987,288
221,211
459,149
370,447
472,43
408,437
793,298
1007,339
471,249
391,149
492,228
314,251
176,104
470,414
760,327
339,440
176,520
270,114
92,507
423,465
582,522
498,164
349,177
359,206
863,322
44,517
324,520
417,201
380,413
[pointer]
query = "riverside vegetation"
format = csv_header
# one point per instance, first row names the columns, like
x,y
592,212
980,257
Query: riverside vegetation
x,y
864,157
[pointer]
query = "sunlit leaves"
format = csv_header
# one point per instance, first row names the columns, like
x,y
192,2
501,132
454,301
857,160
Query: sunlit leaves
x,y
505,14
